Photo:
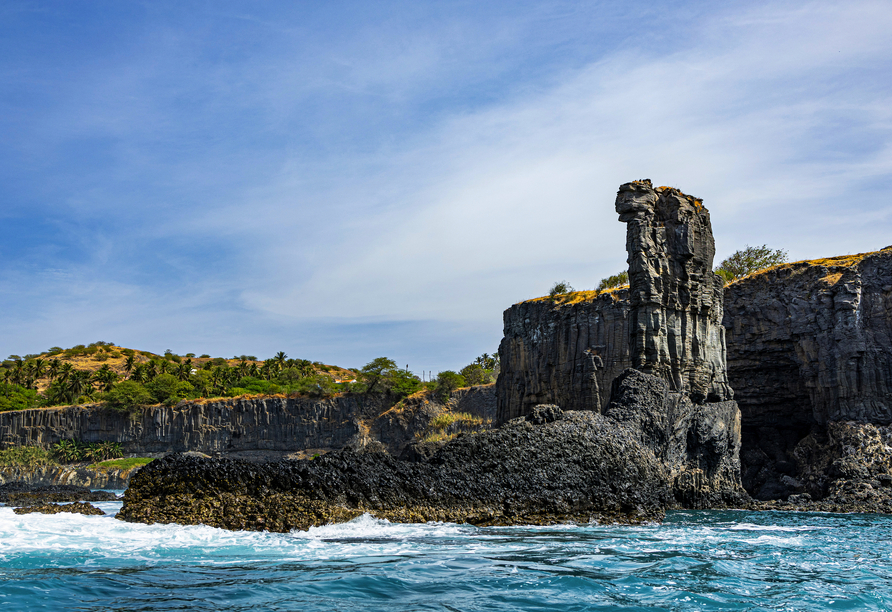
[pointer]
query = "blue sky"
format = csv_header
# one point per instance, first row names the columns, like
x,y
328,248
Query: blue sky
x,y
345,180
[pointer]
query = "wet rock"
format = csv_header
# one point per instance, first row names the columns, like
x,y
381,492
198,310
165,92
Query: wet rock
x,y
24,494
49,508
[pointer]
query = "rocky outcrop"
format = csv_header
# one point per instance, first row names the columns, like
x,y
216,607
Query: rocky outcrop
x,y
652,450
675,329
809,344
843,467
562,351
698,444
568,350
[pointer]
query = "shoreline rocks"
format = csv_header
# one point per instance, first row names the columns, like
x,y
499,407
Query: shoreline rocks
x,y
74,508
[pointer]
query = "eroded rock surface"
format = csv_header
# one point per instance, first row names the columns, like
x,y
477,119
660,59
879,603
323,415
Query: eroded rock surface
x,y
675,329
24,494
564,353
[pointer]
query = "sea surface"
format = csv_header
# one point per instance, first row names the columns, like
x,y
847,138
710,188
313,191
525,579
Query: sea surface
x,y
694,561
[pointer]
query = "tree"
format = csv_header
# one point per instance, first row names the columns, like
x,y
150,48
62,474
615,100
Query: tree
x,y
280,359
560,288
617,280
127,395
447,382
129,364
375,372
475,374
749,260
166,389
106,377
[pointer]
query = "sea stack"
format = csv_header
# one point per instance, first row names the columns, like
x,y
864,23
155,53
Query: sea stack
x,y
675,328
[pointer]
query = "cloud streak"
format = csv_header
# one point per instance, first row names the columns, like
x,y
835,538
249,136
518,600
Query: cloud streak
x,y
361,209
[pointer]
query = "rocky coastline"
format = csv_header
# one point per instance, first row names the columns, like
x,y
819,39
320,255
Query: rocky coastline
x,y
771,393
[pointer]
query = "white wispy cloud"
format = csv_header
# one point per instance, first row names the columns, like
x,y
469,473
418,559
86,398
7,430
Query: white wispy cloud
x,y
350,235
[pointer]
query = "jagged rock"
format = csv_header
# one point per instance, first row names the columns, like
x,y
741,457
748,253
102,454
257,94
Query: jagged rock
x,y
564,353
544,413
552,466
699,444
73,508
675,329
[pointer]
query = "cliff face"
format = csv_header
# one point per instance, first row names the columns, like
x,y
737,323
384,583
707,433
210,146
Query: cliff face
x,y
675,329
809,344
812,342
226,426
564,353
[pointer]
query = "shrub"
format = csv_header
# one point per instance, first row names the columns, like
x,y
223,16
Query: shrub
x,y
15,397
318,385
560,288
447,382
27,456
476,374
617,280
127,395
749,260
168,390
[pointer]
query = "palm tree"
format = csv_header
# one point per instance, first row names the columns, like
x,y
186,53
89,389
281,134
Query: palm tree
x,y
217,377
53,368
78,384
38,366
279,360
151,370
18,373
266,369
129,364
106,378
242,368
305,367
184,371
65,371
254,370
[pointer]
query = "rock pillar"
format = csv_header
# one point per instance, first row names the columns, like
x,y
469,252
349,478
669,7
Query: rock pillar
x,y
675,329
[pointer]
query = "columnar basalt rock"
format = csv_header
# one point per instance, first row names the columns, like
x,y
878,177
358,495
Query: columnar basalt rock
x,y
562,352
809,345
676,299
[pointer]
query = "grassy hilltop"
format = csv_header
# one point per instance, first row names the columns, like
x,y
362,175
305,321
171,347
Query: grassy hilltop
x,y
125,378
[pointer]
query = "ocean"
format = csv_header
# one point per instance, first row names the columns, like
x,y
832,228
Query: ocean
x,y
695,560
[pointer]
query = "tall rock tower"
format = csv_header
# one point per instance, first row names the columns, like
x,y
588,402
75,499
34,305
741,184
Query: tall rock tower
x,y
675,327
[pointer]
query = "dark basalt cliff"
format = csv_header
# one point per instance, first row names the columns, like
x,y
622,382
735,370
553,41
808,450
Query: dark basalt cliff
x,y
562,352
809,344
219,426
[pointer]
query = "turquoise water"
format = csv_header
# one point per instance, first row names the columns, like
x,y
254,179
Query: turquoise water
x,y
694,561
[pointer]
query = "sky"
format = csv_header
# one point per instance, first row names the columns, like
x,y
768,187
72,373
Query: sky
x,y
348,180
